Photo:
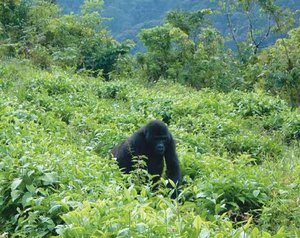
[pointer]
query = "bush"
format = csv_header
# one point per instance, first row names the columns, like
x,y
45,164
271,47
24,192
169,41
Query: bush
x,y
56,176
255,145
291,128
252,104
113,91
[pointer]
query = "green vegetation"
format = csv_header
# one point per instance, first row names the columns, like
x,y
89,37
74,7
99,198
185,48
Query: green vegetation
x,y
69,92
128,17
70,41
239,155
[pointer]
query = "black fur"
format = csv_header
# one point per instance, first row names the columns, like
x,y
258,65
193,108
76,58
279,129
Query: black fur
x,y
156,143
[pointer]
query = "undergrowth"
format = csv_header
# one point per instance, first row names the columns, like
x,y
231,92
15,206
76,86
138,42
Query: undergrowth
x,y
239,154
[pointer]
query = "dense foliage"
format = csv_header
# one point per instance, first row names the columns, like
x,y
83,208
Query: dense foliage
x,y
128,17
69,92
238,151
282,76
36,30
186,49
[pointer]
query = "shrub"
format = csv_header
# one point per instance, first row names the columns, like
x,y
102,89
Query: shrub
x,y
291,128
57,178
255,145
252,104
113,90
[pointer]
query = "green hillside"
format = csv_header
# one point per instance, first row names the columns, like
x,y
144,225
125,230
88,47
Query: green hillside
x,y
70,92
239,153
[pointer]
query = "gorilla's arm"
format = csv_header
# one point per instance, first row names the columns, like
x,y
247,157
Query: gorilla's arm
x,y
172,163
122,153
128,149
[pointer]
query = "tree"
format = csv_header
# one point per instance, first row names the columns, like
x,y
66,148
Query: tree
x,y
84,42
187,50
168,50
172,45
252,22
281,74
190,23
13,19
78,41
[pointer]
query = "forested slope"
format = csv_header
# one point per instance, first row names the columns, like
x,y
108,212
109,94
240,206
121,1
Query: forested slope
x,y
127,18
238,153
69,92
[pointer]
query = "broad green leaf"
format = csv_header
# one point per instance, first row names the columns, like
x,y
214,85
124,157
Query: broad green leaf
x,y
16,183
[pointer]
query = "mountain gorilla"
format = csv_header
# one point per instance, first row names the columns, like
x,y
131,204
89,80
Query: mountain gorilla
x,y
156,143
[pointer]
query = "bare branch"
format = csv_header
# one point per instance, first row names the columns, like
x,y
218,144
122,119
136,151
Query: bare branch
x,y
267,33
251,33
231,28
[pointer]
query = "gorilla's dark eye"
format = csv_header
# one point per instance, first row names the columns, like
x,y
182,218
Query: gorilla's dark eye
x,y
161,138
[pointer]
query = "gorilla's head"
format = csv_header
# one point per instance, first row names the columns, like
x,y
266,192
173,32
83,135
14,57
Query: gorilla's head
x,y
157,136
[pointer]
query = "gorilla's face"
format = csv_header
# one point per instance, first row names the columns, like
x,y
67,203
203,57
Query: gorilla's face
x,y
160,144
157,136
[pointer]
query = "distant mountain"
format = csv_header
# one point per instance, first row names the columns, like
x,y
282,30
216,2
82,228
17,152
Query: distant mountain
x,y
128,17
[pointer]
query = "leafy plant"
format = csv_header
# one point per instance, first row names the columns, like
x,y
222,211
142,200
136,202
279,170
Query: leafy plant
x,y
57,177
